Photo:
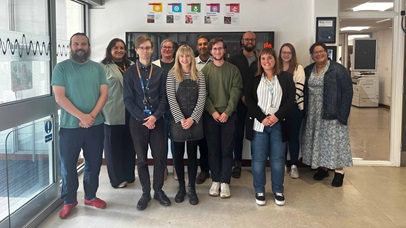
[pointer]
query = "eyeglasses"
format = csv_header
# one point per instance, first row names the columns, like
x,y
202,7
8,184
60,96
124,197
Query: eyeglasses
x,y
217,49
167,47
318,52
145,48
286,53
249,39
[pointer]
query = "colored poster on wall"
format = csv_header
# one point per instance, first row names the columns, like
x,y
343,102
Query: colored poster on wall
x,y
232,13
212,15
193,13
155,15
174,15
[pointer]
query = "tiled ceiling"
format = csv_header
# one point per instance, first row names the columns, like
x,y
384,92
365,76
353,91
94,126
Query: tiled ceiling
x,y
347,5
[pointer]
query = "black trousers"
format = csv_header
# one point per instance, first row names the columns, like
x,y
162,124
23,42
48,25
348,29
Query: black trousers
x,y
119,153
238,146
192,161
220,142
141,137
204,155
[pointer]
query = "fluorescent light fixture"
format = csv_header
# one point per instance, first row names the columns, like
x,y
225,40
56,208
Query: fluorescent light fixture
x,y
354,28
358,36
387,19
375,6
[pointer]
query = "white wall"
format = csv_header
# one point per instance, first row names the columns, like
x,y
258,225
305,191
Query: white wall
x,y
292,21
384,64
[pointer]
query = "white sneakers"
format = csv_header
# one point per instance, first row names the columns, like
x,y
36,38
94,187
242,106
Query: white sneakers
x,y
215,189
225,191
294,173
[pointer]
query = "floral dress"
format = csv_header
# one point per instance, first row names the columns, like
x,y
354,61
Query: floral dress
x,y
325,143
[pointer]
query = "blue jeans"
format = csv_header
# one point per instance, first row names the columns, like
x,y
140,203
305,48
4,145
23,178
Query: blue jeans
x,y
71,141
268,144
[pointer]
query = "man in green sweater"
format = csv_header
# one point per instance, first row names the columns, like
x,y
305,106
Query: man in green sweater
x,y
224,90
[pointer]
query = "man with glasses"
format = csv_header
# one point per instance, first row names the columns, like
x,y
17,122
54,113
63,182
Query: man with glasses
x,y
246,62
202,60
166,63
80,88
145,99
224,89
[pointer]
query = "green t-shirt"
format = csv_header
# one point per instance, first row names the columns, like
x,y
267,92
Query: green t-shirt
x,y
82,87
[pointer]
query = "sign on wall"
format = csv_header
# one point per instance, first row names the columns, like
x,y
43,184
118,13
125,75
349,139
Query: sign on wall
x,y
193,13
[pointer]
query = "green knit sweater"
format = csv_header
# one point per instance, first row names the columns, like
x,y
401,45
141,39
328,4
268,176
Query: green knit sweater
x,y
224,88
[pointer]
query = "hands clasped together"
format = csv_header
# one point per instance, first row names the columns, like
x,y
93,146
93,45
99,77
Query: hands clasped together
x,y
150,122
220,118
86,121
187,123
270,120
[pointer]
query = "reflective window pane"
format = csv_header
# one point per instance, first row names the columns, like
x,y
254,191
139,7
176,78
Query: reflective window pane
x,y
24,67
27,158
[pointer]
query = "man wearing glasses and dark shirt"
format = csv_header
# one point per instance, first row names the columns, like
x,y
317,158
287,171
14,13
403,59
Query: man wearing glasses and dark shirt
x,y
145,99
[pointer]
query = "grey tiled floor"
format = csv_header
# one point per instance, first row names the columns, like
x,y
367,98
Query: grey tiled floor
x,y
369,133
370,197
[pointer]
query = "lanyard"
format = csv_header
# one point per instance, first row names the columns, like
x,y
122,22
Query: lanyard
x,y
142,83
121,69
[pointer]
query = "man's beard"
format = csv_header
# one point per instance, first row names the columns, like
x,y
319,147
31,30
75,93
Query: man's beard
x,y
249,48
78,58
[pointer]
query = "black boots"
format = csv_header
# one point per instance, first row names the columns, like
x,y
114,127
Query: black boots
x,y
180,196
193,200
338,180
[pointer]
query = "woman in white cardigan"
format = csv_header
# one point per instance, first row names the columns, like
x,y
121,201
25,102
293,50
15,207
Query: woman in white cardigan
x,y
288,63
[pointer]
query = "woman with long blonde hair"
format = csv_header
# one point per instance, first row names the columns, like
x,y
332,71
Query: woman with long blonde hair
x,y
186,91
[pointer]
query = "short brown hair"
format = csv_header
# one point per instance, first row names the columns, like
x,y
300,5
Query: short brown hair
x,y
141,39
216,40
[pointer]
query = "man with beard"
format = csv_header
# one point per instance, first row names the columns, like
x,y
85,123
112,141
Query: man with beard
x,y
224,89
80,88
202,60
246,62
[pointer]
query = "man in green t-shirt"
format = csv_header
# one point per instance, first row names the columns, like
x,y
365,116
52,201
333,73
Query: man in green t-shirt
x,y
80,88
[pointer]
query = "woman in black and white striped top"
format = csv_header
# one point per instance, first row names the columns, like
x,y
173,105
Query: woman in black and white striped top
x,y
186,91
288,62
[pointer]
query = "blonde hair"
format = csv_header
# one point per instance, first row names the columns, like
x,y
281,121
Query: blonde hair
x,y
177,68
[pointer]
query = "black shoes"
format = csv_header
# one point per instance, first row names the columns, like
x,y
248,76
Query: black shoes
x,y
338,180
162,198
201,178
143,202
320,174
180,196
236,172
193,200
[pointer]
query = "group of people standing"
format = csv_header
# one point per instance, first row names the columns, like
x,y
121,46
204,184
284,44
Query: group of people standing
x,y
204,102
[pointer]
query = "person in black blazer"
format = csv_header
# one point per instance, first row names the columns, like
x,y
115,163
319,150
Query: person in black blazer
x,y
269,97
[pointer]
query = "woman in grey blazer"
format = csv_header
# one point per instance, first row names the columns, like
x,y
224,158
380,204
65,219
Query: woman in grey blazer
x,y
118,145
